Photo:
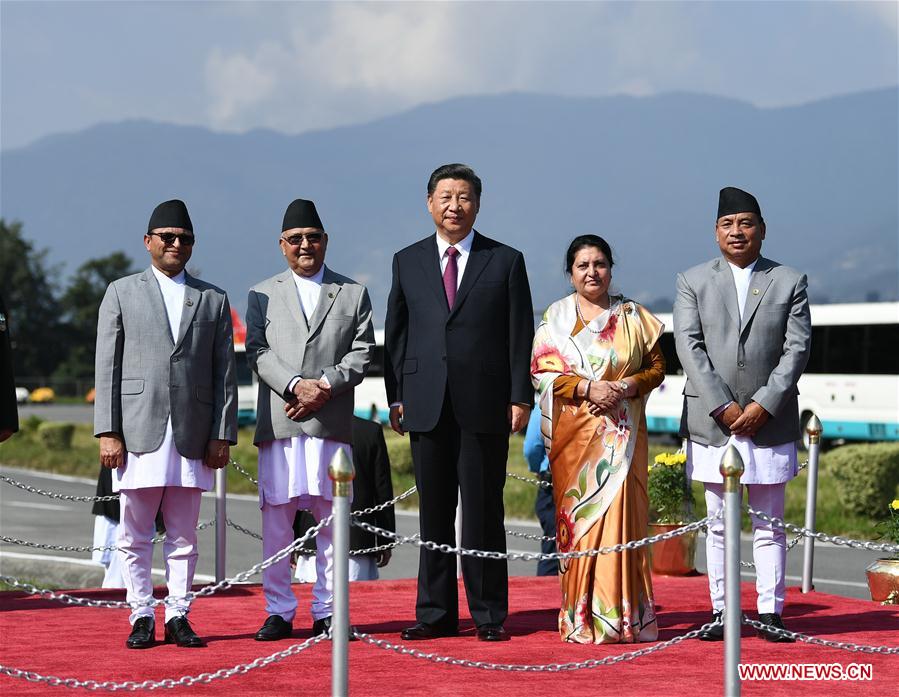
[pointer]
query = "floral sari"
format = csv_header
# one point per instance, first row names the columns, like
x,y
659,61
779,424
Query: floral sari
x,y
599,470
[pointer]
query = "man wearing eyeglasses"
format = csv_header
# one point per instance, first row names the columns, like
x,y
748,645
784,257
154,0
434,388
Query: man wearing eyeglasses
x,y
165,413
309,339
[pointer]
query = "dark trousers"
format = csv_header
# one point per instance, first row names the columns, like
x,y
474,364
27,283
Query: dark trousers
x,y
546,514
449,460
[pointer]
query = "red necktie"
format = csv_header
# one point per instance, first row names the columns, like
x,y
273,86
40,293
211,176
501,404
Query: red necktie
x,y
451,276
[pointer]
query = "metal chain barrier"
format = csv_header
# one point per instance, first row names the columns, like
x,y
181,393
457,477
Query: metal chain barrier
x,y
387,504
53,495
534,556
224,584
167,683
845,645
231,524
823,537
70,548
526,536
531,668
244,472
529,480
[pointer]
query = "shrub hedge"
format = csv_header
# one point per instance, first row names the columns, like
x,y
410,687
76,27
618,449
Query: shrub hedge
x,y
867,474
56,435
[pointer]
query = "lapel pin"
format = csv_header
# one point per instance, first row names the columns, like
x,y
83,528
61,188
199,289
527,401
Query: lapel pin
x,y
755,291
190,302
330,295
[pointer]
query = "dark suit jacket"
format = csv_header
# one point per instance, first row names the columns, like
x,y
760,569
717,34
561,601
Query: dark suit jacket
x,y
371,486
9,415
481,349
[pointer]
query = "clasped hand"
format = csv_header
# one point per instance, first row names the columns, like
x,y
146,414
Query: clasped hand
x,y
744,422
603,396
308,396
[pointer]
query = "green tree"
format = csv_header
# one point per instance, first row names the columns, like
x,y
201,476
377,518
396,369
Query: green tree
x,y
28,285
80,303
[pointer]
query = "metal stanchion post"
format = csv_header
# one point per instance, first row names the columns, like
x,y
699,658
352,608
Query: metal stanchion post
x,y
221,518
731,469
341,473
813,428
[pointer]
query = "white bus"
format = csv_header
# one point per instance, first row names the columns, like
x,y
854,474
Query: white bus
x,y
247,387
851,382
371,395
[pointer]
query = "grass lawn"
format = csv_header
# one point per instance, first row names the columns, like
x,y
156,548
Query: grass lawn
x,y
25,450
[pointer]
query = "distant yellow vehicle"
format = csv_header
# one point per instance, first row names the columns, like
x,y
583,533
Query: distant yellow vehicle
x,y
42,395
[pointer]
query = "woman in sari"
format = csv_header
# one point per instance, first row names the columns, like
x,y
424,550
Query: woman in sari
x,y
596,358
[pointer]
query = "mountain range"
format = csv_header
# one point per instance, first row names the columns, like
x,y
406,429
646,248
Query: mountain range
x,y
644,172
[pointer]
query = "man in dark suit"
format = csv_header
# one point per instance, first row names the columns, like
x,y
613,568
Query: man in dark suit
x,y
9,415
371,487
458,339
743,332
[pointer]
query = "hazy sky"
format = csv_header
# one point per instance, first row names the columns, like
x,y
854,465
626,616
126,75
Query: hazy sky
x,y
295,66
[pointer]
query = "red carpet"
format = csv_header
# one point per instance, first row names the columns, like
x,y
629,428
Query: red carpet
x,y
86,643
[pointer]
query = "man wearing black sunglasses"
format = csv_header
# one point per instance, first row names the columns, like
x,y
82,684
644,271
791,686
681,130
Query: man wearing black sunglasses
x,y
309,338
165,413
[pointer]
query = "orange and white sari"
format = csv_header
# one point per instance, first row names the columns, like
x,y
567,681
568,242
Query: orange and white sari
x,y
599,470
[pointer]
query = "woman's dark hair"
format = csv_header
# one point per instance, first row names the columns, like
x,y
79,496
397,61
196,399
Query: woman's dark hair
x,y
455,171
582,241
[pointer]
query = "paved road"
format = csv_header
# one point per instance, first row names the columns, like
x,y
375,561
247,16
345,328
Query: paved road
x,y
74,413
35,518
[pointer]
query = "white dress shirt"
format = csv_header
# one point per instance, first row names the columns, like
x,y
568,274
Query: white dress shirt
x,y
308,290
464,248
772,465
164,466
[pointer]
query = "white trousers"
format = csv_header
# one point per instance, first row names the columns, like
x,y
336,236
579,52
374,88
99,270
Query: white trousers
x,y
277,533
106,531
362,567
769,545
180,510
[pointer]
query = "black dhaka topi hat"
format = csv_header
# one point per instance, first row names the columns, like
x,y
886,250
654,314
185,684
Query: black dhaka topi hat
x,y
301,213
170,214
733,200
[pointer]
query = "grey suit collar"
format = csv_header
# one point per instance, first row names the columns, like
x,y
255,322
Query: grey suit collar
x,y
156,305
758,284
288,291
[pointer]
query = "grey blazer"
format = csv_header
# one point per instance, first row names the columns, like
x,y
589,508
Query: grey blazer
x,y
760,359
336,343
143,373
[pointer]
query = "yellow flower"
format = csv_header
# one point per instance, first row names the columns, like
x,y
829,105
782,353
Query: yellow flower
x,y
895,505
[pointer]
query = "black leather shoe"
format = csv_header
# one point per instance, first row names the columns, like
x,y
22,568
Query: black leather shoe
x,y
274,628
715,633
178,631
142,634
492,632
423,631
773,620
322,626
